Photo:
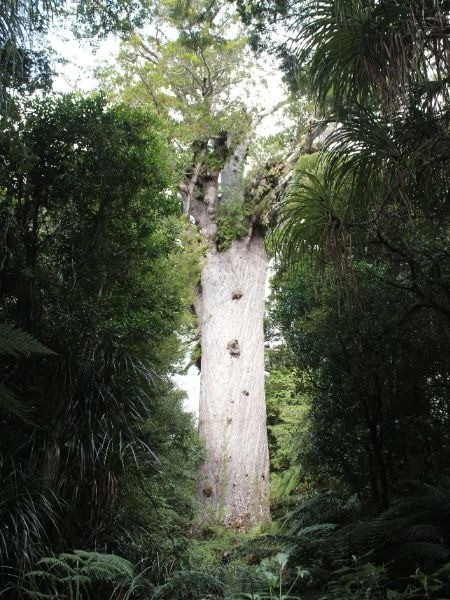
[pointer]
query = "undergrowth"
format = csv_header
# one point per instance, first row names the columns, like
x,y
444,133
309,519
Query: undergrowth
x,y
329,547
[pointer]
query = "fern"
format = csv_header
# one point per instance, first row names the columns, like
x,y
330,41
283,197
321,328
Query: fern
x,y
183,584
350,555
320,508
16,342
12,404
74,575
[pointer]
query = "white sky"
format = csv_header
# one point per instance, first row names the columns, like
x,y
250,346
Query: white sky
x,y
81,58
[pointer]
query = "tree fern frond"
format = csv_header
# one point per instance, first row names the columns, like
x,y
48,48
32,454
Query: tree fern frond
x,y
424,532
81,568
104,566
10,403
418,550
320,508
313,530
55,562
16,342
266,545
37,595
40,573
182,582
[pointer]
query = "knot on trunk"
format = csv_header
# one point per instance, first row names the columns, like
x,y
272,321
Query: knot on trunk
x,y
236,295
207,489
233,348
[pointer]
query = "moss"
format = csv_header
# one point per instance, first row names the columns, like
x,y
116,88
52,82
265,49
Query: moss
x,y
220,545
232,222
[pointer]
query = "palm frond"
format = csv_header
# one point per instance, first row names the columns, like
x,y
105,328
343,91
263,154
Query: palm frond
x,y
360,51
380,161
313,221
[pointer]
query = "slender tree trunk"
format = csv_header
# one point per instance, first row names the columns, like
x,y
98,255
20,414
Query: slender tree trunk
x,y
232,418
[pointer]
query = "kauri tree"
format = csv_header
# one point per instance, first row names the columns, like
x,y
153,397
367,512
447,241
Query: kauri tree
x,y
198,82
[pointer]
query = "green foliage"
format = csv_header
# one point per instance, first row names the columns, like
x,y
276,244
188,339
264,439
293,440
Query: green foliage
x,y
374,218
232,222
345,553
80,575
182,584
286,414
23,69
364,306
23,18
315,219
354,53
360,580
362,378
191,80
15,342
90,267
209,568
274,578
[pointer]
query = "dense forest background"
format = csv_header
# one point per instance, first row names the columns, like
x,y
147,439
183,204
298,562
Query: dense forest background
x,y
99,462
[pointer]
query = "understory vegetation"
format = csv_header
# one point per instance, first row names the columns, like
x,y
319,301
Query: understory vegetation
x,y
98,459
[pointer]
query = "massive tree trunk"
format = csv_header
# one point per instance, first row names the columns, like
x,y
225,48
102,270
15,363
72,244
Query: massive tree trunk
x,y
232,418
230,311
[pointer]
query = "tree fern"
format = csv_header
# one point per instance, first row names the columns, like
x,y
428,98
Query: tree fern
x,y
75,575
16,342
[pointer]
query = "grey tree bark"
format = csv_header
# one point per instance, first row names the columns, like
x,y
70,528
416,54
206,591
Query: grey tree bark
x,y
230,311
232,416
